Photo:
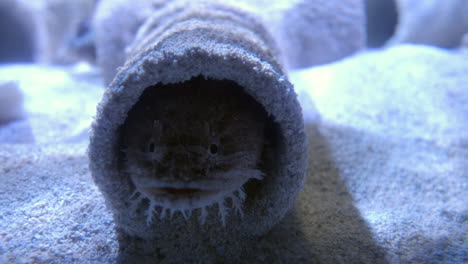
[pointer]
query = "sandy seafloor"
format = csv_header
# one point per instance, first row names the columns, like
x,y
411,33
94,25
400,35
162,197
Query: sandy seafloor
x,y
387,179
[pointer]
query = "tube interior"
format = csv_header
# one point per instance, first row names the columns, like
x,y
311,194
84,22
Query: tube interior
x,y
189,144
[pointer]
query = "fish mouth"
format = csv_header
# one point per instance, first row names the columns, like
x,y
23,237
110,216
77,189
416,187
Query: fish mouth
x,y
169,196
183,199
179,192
187,195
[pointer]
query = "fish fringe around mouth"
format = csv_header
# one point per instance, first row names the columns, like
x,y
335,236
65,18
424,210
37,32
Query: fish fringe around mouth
x,y
237,198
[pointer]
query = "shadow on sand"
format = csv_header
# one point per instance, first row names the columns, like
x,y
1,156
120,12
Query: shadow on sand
x,y
325,226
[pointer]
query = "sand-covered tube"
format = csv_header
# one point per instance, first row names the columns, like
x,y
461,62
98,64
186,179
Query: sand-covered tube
x,y
198,143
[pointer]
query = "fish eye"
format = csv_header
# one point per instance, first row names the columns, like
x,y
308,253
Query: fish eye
x,y
151,146
213,148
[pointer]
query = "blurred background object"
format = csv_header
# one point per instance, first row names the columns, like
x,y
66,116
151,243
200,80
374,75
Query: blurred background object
x,y
318,32
439,23
464,42
381,21
46,31
55,103
14,126
11,102
312,32
113,40
307,32
17,31
60,25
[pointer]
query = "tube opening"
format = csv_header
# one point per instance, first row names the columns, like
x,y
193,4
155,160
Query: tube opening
x,y
197,143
